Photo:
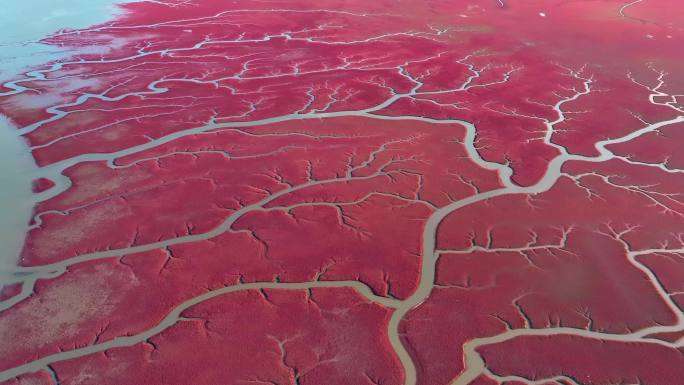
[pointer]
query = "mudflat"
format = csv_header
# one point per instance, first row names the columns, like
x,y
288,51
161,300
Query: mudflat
x,y
355,192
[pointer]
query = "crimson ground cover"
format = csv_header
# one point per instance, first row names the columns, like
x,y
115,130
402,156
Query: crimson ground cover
x,y
353,192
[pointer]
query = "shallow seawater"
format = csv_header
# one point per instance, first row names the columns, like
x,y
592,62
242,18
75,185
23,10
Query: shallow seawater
x,y
26,22
16,173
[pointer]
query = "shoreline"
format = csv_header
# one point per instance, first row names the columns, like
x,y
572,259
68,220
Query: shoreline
x,y
16,195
